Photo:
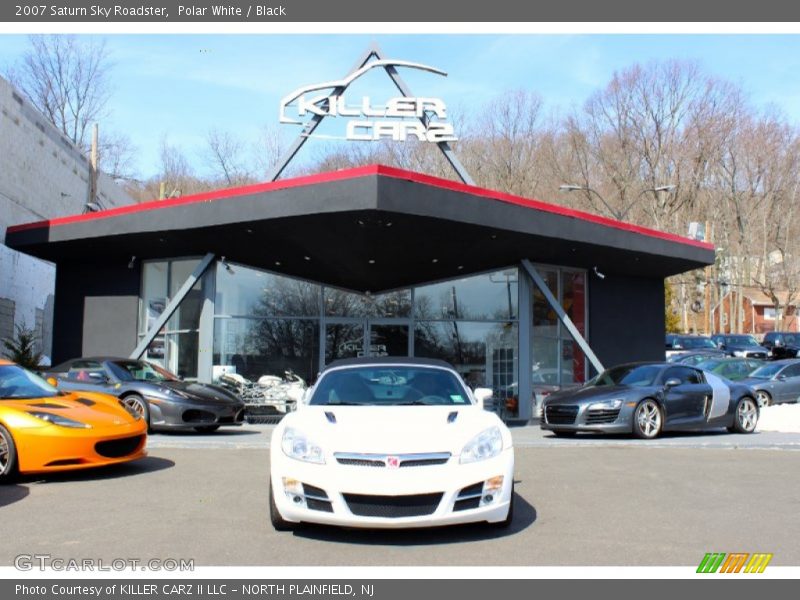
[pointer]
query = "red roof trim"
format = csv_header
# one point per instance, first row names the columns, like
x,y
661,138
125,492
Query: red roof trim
x,y
364,172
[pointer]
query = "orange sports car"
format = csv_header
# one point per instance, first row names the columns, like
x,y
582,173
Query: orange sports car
x,y
43,429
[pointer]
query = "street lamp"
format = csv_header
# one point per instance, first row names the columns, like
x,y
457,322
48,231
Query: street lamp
x,y
572,187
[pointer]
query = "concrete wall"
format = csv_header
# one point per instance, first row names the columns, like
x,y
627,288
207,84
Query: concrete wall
x,y
42,176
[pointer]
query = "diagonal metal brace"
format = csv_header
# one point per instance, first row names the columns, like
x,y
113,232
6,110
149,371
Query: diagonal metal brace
x,y
562,315
173,305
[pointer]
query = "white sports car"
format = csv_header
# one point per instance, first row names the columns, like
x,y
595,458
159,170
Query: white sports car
x,y
389,443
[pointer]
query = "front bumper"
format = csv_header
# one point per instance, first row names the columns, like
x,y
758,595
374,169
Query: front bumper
x,y
557,417
342,482
53,448
166,414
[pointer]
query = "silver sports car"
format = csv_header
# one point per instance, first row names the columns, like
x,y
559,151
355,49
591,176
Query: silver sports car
x,y
647,398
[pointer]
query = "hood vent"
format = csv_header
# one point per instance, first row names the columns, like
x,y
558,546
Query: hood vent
x,y
451,418
331,417
86,401
46,405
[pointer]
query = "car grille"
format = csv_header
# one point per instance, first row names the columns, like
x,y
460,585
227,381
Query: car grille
x,y
761,355
194,415
381,460
317,498
393,507
560,414
118,448
596,417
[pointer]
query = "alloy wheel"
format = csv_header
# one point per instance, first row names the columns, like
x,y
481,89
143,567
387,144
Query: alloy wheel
x,y
134,404
4,454
747,415
763,398
648,418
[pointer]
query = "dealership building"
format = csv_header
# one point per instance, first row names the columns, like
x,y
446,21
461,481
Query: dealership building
x,y
295,273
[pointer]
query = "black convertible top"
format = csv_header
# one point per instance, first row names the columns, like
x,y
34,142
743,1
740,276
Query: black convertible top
x,y
388,360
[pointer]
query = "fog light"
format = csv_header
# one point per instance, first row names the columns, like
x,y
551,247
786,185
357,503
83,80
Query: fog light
x,y
494,484
297,499
487,499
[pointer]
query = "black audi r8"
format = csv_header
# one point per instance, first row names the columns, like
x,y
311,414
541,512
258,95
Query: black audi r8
x,y
647,398
163,399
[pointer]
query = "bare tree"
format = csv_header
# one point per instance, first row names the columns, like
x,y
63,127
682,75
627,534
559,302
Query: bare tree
x,y
67,80
224,155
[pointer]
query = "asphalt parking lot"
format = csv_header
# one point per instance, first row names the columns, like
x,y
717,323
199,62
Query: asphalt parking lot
x,y
585,501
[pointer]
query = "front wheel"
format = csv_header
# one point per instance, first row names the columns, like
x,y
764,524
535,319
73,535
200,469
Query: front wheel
x,y
505,523
139,405
8,456
278,522
745,418
764,399
647,420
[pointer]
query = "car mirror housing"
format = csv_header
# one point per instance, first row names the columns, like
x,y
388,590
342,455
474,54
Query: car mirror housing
x,y
672,382
482,395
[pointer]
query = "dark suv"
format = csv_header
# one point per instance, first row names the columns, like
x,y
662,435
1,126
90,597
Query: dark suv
x,y
782,344
678,343
741,345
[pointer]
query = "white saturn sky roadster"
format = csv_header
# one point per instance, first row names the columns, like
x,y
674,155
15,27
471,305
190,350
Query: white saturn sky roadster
x,y
390,443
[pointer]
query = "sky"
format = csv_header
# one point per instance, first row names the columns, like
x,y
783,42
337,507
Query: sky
x,y
178,87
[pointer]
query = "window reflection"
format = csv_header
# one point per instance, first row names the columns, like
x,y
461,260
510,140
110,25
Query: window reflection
x,y
249,292
256,347
490,296
340,303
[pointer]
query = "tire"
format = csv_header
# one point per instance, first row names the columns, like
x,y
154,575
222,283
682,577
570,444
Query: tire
x,y
275,517
745,416
206,428
8,456
506,523
564,434
764,398
648,420
139,404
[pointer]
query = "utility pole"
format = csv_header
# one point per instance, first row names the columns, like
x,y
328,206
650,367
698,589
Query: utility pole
x,y
93,165
707,287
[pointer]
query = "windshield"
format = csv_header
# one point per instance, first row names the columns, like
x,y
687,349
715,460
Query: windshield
x,y
389,386
18,384
139,370
695,342
740,340
767,371
634,375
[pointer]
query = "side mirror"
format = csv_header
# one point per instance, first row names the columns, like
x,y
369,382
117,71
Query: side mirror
x,y
52,381
781,377
672,382
482,395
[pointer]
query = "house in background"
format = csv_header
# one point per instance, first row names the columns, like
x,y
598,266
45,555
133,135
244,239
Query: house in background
x,y
758,315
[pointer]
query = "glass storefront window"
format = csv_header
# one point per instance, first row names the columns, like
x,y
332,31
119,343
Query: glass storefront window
x,y
490,296
246,292
340,303
257,347
485,354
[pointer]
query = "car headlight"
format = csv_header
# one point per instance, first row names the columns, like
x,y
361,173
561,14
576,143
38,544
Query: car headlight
x,y
487,444
296,445
739,353
179,393
136,416
607,405
58,420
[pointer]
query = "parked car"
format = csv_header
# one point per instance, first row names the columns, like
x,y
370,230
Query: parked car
x,y
389,443
43,429
782,344
162,399
678,343
741,345
647,398
776,382
694,358
735,369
